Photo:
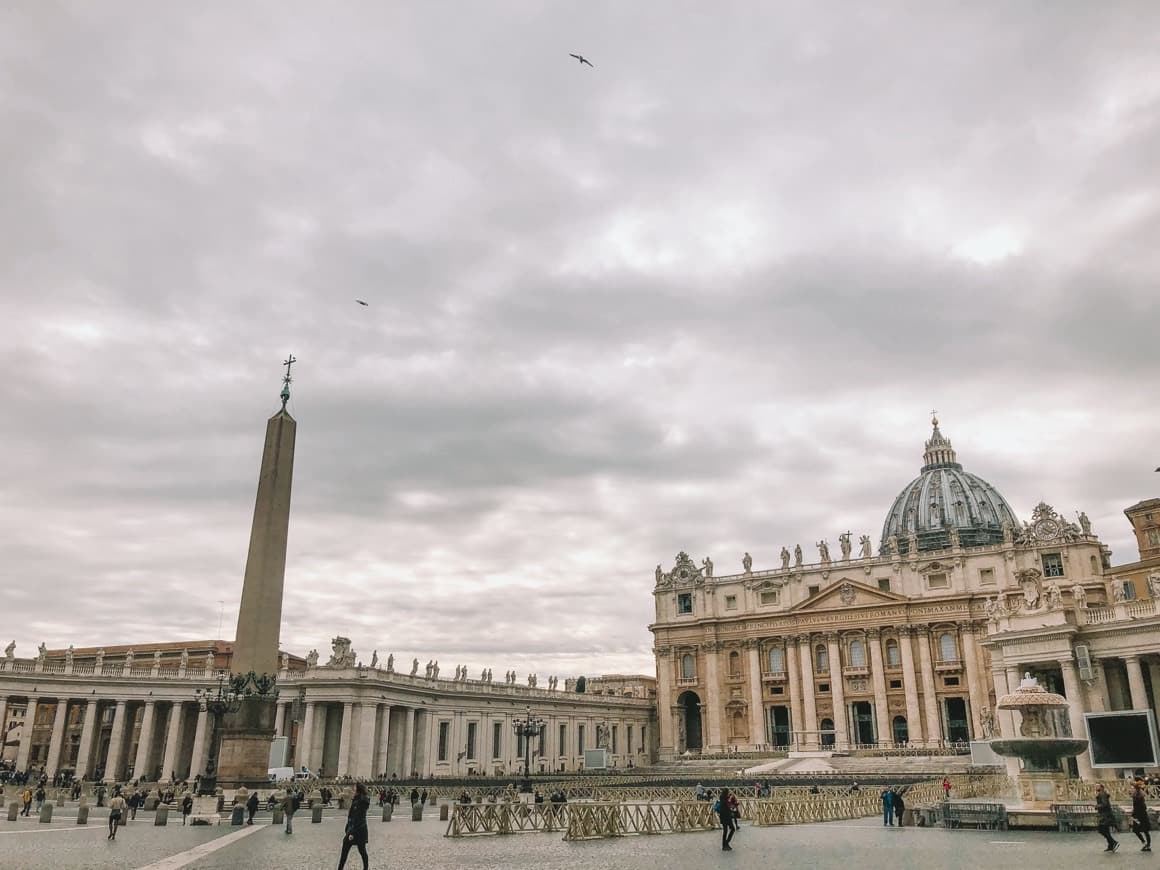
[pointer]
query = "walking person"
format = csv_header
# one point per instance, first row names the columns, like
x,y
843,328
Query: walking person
x,y
1105,817
186,808
251,807
289,807
887,807
356,827
1141,824
116,813
899,805
26,799
728,822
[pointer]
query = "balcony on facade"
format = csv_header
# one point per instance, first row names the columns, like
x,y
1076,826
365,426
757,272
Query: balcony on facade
x,y
856,671
948,665
774,676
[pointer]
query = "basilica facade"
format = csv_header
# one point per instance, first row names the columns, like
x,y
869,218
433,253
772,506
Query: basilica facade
x,y
909,645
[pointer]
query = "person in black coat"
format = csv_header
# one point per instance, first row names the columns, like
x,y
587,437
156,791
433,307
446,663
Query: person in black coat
x,y
356,827
728,819
251,807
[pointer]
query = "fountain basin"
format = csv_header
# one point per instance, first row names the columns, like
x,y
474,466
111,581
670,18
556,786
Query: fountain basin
x,y
1040,753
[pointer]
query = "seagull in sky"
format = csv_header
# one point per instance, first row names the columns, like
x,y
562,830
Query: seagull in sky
x,y
360,302
583,60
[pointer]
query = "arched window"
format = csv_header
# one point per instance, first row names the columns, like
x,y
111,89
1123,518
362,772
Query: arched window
x,y
1095,565
688,666
893,654
946,647
827,729
776,660
821,659
735,664
857,654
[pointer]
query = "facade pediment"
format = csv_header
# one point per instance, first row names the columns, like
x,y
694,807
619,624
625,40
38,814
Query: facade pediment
x,y
847,593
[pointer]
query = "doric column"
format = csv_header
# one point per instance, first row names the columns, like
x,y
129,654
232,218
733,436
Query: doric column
x,y
56,741
200,745
24,751
810,725
934,733
914,732
384,742
116,744
144,742
1075,711
280,720
793,675
172,742
837,692
664,698
712,696
974,687
305,738
878,678
1136,683
344,739
756,703
409,743
88,733
3,719
368,724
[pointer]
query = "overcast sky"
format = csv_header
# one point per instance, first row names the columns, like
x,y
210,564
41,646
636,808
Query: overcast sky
x,y
702,296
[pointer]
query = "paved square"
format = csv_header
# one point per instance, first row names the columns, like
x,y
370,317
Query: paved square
x,y
862,844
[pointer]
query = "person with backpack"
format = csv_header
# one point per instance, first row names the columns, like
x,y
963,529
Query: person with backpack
x,y
251,807
186,807
725,812
356,833
116,813
290,803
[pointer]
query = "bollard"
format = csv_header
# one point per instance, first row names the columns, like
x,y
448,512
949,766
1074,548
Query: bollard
x,y
443,812
238,815
46,813
388,811
83,814
416,812
316,814
13,811
276,816
161,816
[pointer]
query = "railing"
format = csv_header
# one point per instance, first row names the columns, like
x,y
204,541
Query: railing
x,y
1098,615
856,671
775,676
506,818
686,681
1142,607
601,820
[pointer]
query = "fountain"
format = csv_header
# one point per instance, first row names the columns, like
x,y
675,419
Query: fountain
x,y
1045,740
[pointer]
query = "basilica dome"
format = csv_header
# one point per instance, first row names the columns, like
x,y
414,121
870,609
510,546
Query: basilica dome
x,y
944,498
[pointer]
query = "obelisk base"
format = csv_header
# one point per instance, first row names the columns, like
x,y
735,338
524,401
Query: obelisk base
x,y
244,758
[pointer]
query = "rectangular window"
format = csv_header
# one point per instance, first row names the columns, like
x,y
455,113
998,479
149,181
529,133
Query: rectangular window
x,y
812,590
776,660
1052,565
1154,537
580,740
444,739
730,602
884,584
628,737
643,737
471,740
563,744
542,749
1129,591
614,740
520,740
823,687
776,690
770,596
497,740
896,684
685,602
951,681
986,576
936,581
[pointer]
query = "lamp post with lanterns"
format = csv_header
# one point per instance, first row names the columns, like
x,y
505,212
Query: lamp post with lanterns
x,y
527,728
217,703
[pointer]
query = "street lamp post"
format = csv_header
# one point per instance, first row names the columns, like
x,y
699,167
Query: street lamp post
x,y
528,728
217,704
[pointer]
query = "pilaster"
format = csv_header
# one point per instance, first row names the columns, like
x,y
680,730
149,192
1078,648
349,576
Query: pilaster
x,y
934,732
878,677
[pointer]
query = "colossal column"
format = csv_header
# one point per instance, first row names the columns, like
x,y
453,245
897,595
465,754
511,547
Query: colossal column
x,y
145,742
367,725
878,678
246,733
792,676
88,732
837,692
24,751
116,744
1136,683
344,739
757,733
305,738
279,720
200,750
808,728
383,755
1075,711
172,741
929,698
409,744
974,688
914,730
56,741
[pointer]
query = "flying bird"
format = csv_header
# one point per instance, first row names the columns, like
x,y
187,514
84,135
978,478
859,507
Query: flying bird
x,y
583,60
360,302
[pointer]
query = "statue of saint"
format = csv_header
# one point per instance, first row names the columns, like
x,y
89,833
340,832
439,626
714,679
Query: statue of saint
x,y
797,555
844,544
285,661
1079,596
912,544
128,657
1085,524
867,547
784,559
374,659
184,659
953,533
1030,588
10,650
1153,582
892,545
1008,532
824,551
660,574
1054,597
312,659
987,720
414,667
747,563
68,656
707,563
41,652
390,663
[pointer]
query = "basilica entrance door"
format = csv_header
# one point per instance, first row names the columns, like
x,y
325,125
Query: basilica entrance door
x,y
779,725
690,707
863,722
955,713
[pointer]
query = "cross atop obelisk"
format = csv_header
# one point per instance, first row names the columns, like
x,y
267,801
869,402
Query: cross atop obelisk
x,y
260,615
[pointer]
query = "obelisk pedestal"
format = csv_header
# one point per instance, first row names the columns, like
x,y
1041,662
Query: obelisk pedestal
x,y
247,732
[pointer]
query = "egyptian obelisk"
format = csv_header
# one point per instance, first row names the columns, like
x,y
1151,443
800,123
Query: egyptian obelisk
x,y
246,733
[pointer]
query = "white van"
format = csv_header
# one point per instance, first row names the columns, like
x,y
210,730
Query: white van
x,y
280,774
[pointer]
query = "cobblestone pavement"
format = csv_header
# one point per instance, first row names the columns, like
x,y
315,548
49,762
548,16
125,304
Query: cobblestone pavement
x,y
864,845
